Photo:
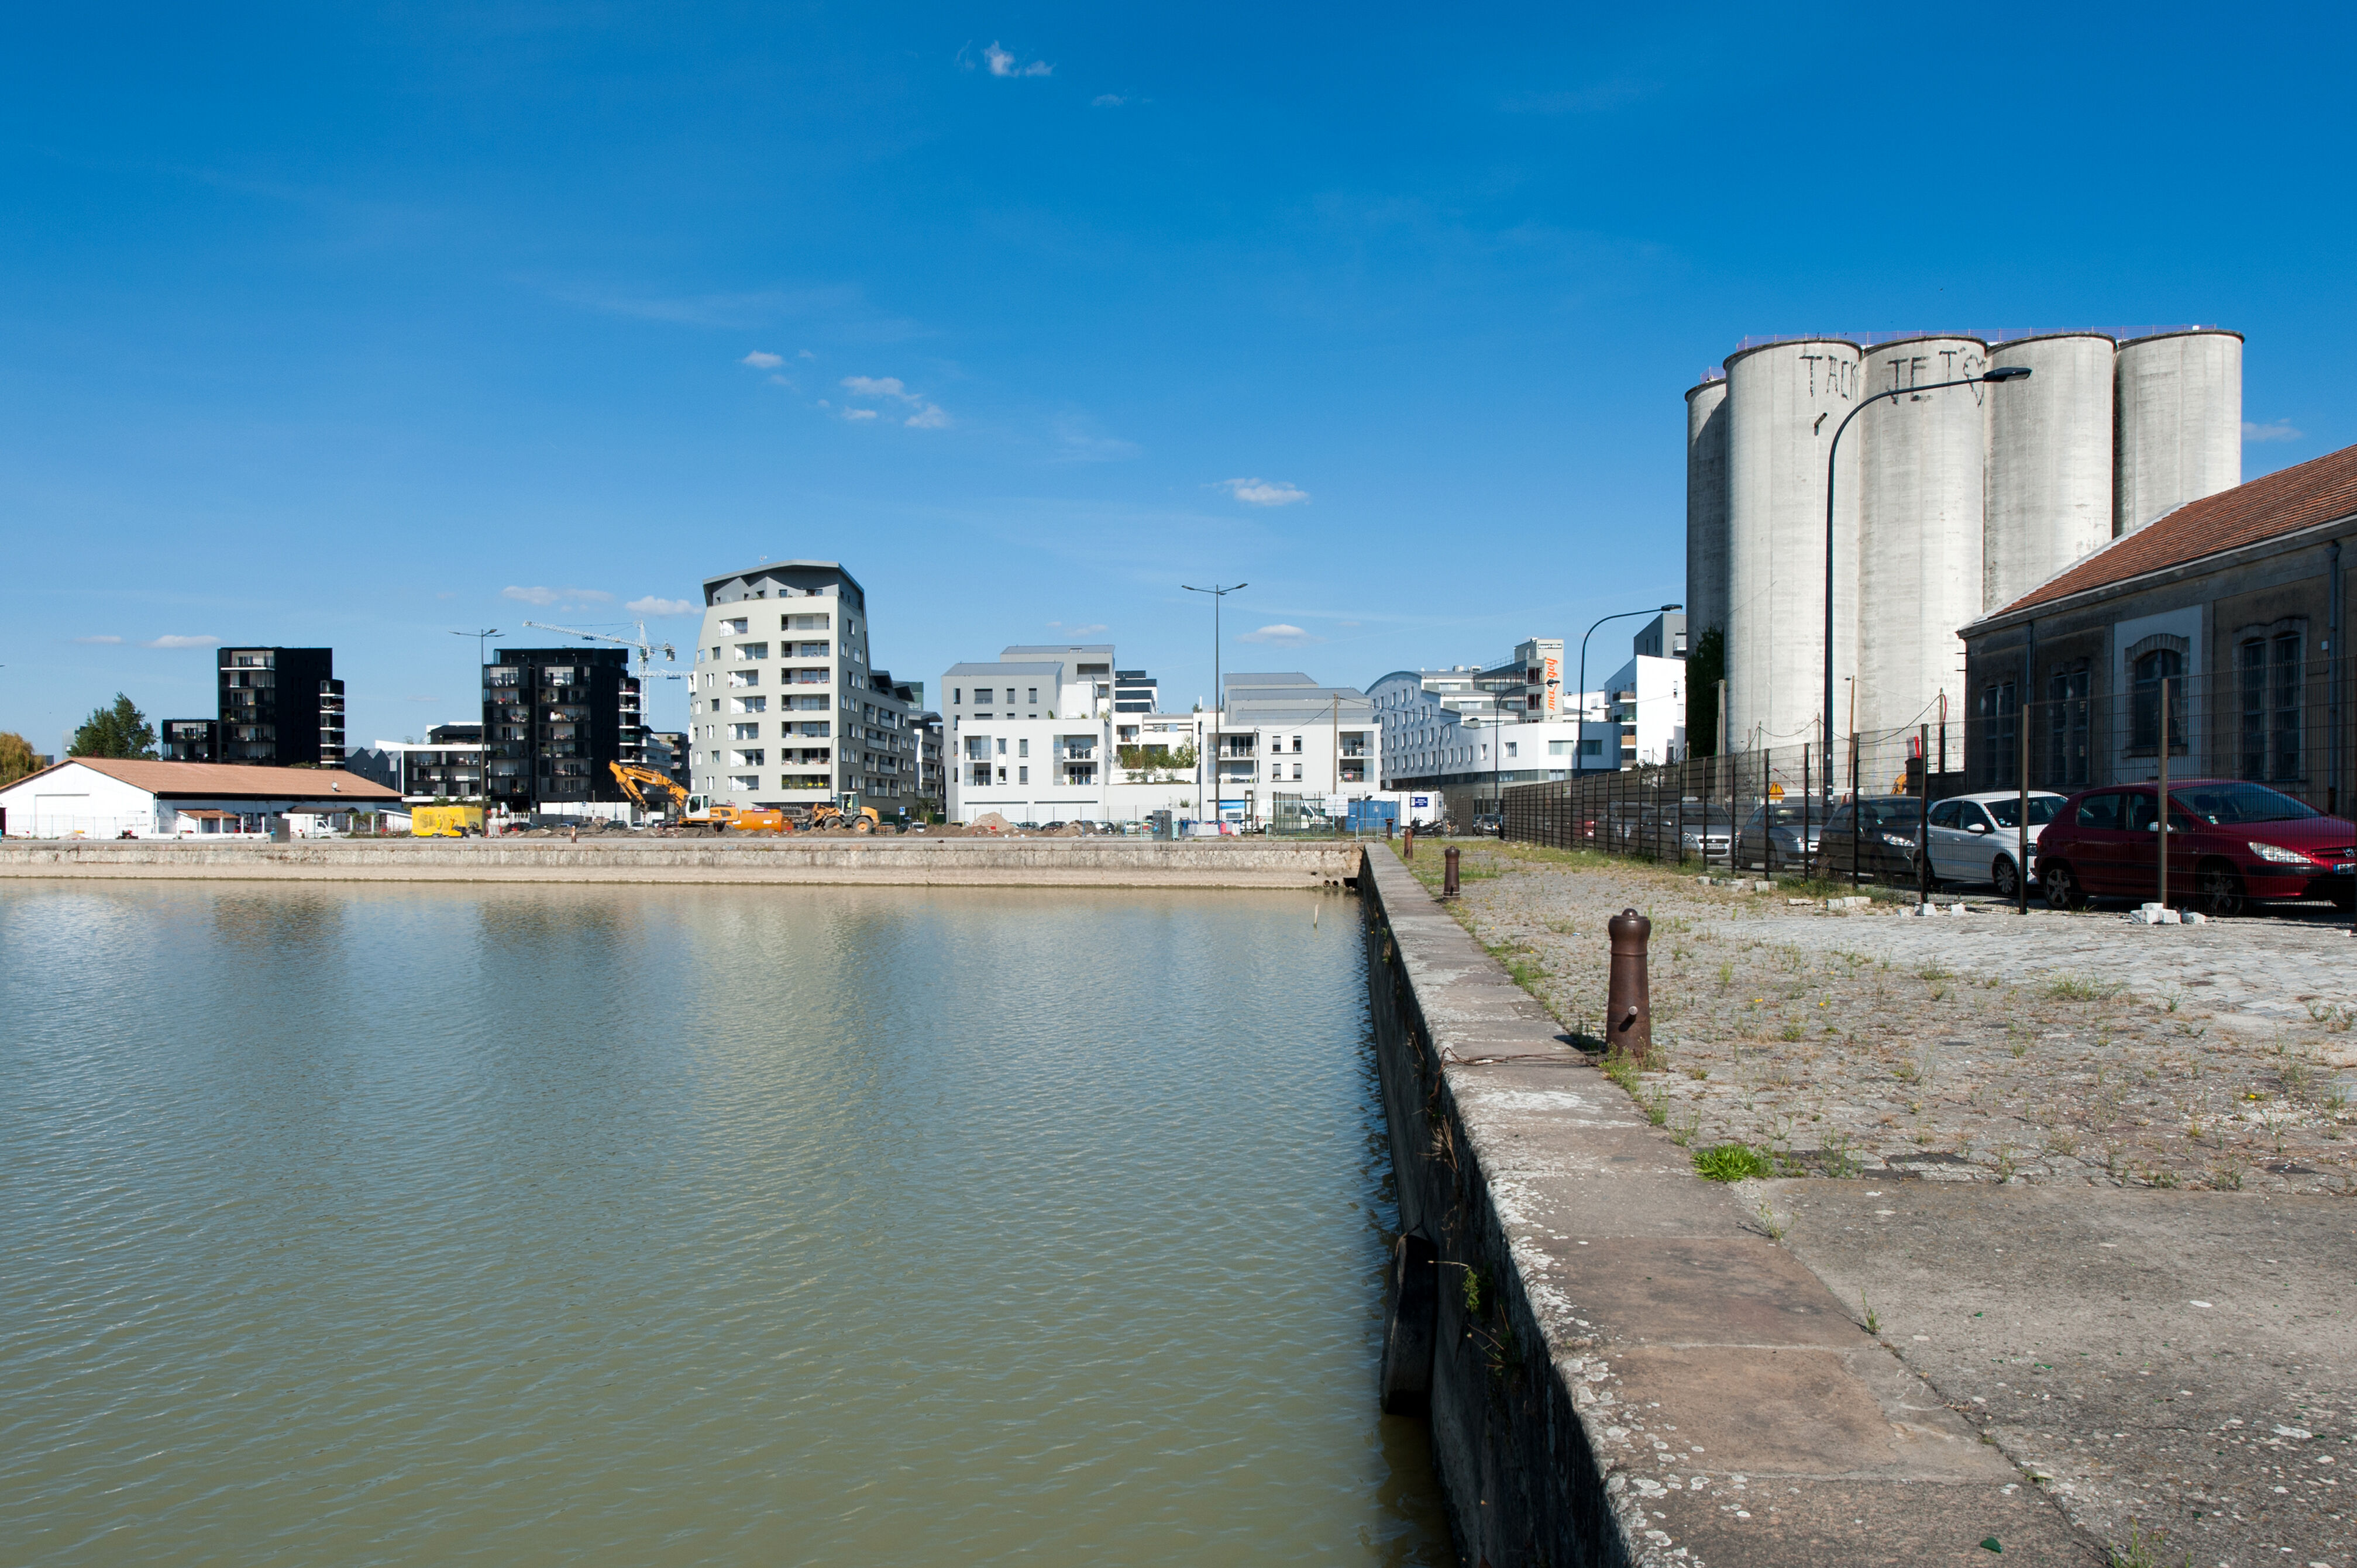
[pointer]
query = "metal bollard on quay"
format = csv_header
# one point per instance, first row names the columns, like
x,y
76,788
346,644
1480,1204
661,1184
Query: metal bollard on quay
x,y
1449,872
1407,843
1628,1007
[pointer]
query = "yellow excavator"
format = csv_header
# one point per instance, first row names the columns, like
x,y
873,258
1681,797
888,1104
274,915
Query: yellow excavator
x,y
636,781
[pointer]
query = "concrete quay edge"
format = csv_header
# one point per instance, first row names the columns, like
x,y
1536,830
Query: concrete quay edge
x,y
1640,1375
893,861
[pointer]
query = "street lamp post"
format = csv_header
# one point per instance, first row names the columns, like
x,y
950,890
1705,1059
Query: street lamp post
x,y
1580,744
1212,769
2001,374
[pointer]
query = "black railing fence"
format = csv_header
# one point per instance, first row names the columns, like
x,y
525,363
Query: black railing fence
x,y
2274,720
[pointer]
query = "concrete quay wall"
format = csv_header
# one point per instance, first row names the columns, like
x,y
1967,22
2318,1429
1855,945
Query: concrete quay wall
x,y
1624,1365
896,861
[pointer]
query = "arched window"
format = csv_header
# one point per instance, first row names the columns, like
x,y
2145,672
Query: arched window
x,y
2149,668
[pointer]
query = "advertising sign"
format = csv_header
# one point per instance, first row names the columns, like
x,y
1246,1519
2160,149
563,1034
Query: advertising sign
x,y
1552,675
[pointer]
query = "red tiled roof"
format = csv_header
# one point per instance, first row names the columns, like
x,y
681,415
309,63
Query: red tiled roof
x,y
228,782
2318,491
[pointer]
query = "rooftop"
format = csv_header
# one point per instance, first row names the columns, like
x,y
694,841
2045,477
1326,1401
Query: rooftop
x,y
2322,490
228,781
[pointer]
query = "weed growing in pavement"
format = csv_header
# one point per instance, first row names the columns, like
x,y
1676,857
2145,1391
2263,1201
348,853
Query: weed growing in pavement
x,y
1776,1225
2075,988
1697,1072
1687,1130
2226,1176
2004,1162
1657,1107
1873,1322
1726,975
2161,1176
2141,1550
1731,1161
2297,1078
1836,1157
1789,1032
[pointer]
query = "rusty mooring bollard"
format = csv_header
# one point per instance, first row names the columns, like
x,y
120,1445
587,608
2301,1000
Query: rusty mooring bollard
x,y
1407,843
1449,873
1629,1009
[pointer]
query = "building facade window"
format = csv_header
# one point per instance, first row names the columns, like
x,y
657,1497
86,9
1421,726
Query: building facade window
x,y
2146,672
2270,688
2000,736
2069,718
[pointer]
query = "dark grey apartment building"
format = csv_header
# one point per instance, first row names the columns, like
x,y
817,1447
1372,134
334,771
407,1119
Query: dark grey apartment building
x,y
279,707
554,721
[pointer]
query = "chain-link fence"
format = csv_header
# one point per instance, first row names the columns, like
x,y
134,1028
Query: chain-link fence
x,y
1875,810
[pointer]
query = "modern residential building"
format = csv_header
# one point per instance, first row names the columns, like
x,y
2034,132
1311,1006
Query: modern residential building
x,y
1135,692
1290,747
880,745
932,782
667,752
1029,734
188,740
279,707
782,675
447,765
553,719
108,797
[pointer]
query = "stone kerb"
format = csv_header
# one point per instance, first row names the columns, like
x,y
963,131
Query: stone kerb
x,y
1629,1367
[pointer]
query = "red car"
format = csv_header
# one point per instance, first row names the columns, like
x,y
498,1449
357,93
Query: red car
x,y
2231,842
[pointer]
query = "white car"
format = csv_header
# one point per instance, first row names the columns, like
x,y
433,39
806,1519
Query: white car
x,y
1974,838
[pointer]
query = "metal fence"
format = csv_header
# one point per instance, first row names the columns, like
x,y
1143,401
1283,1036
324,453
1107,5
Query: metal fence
x,y
2276,719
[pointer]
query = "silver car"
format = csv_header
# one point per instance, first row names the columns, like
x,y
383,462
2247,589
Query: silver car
x,y
1974,838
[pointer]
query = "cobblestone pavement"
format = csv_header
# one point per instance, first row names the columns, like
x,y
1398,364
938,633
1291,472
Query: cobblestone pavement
x,y
1984,1046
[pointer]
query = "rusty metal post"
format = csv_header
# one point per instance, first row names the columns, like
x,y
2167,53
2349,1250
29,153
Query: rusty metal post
x,y
1449,872
1629,1007
1407,842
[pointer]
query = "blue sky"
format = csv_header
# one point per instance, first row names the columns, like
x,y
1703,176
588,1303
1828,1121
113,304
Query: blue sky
x,y
347,325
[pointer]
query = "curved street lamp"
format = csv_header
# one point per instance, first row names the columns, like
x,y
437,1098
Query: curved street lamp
x,y
2002,373
1579,745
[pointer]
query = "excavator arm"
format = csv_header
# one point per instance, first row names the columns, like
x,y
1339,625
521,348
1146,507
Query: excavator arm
x,y
636,781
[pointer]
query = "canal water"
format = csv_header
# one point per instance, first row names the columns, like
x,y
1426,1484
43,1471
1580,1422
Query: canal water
x,y
691,1226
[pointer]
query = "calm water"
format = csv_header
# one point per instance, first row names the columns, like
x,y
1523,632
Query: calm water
x,y
690,1226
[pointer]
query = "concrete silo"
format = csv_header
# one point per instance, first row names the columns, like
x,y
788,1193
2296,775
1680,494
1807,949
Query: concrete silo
x,y
2049,462
2179,421
1922,467
1706,508
1783,403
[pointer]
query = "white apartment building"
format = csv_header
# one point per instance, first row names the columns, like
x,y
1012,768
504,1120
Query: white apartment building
x,y
1289,747
786,710
1029,734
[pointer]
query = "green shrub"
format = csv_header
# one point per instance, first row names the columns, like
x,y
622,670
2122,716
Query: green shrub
x,y
1731,1161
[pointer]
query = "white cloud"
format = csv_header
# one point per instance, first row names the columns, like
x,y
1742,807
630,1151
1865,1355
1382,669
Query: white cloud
x,y
1281,634
780,380
804,354
651,606
1002,63
175,640
98,639
929,417
1263,492
878,386
1061,629
762,362
1107,101
2281,430
544,597
858,413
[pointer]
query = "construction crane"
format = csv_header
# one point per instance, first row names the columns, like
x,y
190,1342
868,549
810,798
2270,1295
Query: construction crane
x,y
646,650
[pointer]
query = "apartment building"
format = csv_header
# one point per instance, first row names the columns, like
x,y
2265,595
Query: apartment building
x,y
447,765
553,719
782,679
278,707
1289,748
1029,735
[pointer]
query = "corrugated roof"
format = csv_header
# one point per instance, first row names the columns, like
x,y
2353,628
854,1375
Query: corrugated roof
x,y
229,782
2319,490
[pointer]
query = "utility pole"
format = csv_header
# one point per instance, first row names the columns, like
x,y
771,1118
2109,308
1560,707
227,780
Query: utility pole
x,y
1218,700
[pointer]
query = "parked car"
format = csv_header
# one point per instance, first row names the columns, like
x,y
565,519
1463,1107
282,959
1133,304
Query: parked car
x,y
2231,843
1488,825
1705,830
1975,839
1780,826
1876,835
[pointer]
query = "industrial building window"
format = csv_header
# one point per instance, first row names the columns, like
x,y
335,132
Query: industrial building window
x,y
2145,674
2000,736
2268,679
1022,748
1034,696
2068,724
1023,776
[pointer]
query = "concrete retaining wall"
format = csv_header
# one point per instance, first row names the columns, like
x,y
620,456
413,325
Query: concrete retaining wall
x,y
1625,1367
894,861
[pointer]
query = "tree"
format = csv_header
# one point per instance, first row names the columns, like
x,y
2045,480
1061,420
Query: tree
x,y
120,730
1706,667
16,757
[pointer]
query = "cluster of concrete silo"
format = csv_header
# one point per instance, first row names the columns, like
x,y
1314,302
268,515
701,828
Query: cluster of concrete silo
x,y
1947,504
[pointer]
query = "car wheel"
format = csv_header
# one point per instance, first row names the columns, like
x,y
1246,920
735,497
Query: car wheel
x,y
2008,879
2217,890
2063,889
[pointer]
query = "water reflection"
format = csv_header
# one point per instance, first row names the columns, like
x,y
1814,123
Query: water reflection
x,y
692,1225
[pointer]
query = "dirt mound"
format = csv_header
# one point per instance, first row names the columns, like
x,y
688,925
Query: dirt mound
x,y
990,823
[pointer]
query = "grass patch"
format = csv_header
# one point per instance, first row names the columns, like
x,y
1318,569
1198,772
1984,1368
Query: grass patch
x,y
1731,1161
2083,988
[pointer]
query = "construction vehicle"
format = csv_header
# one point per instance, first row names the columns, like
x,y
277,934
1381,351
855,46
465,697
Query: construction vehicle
x,y
703,811
636,781
865,821
445,822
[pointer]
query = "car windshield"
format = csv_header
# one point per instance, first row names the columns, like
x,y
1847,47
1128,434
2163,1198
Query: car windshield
x,y
1789,816
2230,803
1897,812
2008,811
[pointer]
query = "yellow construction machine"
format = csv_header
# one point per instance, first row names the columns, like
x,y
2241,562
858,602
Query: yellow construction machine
x,y
865,821
636,781
446,821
